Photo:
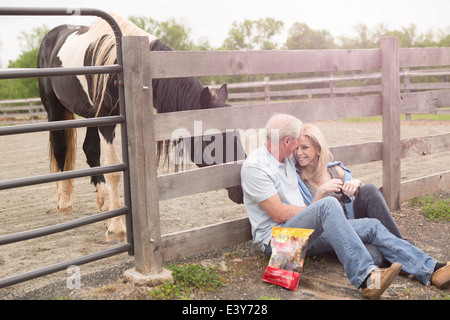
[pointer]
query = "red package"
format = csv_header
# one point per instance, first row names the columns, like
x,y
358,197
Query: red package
x,y
288,255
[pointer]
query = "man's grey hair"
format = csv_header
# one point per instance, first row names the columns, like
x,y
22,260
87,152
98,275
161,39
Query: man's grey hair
x,y
283,125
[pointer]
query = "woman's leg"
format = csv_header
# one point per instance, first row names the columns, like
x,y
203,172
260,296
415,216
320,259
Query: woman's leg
x,y
370,203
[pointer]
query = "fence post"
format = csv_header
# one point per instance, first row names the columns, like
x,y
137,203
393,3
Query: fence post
x,y
332,86
406,82
142,162
390,107
267,89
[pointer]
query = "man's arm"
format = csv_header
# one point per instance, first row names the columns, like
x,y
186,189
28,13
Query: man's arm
x,y
278,211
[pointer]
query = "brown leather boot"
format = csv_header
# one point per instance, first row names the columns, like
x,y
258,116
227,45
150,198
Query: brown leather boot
x,y
441,278
380,280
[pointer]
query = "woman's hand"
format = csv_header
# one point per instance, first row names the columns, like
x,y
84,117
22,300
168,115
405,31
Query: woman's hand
x,y
350,188
333,185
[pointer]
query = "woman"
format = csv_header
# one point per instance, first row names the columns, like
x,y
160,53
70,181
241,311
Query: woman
x,y
319,177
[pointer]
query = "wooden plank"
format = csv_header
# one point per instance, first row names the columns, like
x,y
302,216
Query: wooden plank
x,y
27,108
425,145
442,111
424,102
226,175
176,124
424,57
429,86
343,90
425,185
27,100
142,167
25,121
390,93
180,184
187,243
22,115
358,153
175,64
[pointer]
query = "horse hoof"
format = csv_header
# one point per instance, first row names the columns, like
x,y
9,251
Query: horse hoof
x,y
64,210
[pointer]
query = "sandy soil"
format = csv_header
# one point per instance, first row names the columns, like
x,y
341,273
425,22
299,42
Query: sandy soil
x,y
35,206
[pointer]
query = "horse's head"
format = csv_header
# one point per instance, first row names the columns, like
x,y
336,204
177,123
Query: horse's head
x,y
208,101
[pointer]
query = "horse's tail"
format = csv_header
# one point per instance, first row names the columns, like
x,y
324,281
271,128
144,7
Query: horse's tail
x,y
71,150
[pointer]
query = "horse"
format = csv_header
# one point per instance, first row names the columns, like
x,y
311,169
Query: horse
x,y
91,96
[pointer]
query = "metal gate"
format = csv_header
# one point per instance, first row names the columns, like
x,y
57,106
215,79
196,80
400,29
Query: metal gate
x,y
67,124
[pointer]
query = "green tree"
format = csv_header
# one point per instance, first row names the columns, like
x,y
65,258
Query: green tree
x,y
267,29
300,36
32,40
253,35
444,42
26,87
175,35
239,36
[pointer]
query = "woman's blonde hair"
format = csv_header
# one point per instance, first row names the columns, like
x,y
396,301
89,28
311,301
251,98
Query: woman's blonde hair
x,y
318,140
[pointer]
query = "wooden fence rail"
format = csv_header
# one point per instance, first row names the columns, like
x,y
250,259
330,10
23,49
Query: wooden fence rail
x,y
145,128
33,111
23,111
331,90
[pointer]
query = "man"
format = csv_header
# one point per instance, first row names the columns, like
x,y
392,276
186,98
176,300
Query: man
x,y
272,198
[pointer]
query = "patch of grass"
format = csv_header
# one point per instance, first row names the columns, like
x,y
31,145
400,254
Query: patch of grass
x,y
187,278
268,298
196,276
444,296
434,208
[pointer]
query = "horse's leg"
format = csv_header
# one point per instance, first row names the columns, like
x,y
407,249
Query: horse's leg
x,y
63,144
116,226
91,148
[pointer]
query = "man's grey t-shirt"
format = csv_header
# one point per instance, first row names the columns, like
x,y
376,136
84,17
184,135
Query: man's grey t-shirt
x,y
262,176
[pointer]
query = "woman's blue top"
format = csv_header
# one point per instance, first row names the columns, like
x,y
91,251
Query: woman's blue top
x,y
307,197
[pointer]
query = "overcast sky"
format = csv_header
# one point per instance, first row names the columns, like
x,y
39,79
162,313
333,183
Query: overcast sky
x,y
211,19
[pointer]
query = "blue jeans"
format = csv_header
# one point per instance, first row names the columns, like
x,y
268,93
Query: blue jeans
x,y
332,231
370,203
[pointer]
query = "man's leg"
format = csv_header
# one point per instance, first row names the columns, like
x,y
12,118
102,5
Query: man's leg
x,y
394,249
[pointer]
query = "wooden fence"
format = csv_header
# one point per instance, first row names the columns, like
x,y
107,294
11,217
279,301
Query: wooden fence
x,y
21,111
328,85
144,128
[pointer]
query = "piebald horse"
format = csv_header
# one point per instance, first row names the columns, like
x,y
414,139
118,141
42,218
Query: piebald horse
x,y
96,96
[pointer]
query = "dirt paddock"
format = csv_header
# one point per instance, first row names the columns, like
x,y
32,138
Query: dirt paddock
x,y
35,206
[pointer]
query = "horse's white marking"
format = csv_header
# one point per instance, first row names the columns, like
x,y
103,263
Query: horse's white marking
x,y
113,179
74,48
72,53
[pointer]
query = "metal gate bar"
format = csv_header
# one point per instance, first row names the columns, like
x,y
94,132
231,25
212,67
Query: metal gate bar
x,y
64,265
64,226
53,177
59,125
54,72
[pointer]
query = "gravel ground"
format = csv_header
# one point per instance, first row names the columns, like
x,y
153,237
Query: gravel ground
x,y
242,267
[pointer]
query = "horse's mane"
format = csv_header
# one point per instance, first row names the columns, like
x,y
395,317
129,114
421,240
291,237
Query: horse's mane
x,y
169,94
104,51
